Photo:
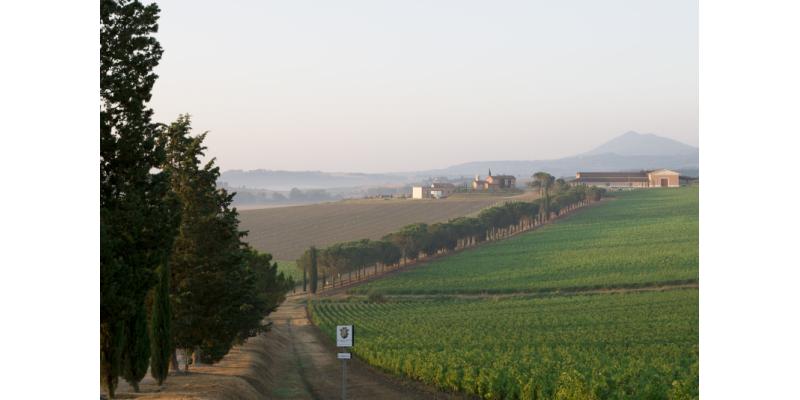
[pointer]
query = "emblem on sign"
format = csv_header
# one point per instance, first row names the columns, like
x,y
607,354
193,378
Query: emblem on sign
x,y
344,335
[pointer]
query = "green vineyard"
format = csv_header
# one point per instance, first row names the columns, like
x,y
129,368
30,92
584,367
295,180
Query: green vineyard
x,y
448,324
609,346
638,238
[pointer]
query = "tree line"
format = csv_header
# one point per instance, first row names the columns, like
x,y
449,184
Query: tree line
x,y
341,261
175,272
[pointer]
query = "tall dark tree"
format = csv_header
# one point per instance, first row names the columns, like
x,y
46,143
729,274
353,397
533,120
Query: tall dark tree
x,y
313,268
305,279
135,224
136,349
304,263
161,327
214,281
207,251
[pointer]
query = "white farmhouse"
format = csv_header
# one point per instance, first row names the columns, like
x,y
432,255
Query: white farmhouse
x,y
434,191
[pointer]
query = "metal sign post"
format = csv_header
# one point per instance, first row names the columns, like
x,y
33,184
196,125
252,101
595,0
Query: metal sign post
x,y
344,379
344,340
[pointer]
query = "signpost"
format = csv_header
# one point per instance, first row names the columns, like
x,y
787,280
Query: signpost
x,y
344,340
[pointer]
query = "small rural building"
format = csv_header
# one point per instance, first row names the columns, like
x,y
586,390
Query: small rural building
x,y
641,179
435,191
494,182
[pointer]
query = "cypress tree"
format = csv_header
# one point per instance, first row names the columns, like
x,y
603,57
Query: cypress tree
x,y
303,263
313,267
112,335
206,254
136,348
161,327
135,230
214,283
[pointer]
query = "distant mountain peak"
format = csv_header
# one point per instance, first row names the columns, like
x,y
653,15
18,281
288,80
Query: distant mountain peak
x,y
633,143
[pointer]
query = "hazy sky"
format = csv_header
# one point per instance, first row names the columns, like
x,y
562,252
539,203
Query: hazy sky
x,y
377,86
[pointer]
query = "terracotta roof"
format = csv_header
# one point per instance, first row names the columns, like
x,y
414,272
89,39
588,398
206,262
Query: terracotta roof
x,y
640,174
612,179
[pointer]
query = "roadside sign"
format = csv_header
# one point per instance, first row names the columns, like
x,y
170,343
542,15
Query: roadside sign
x,y
344,336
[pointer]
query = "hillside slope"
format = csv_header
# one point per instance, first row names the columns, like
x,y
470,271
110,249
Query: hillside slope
x,y
287,232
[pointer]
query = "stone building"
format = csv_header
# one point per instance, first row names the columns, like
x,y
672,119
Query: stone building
x,y
494,182
641,179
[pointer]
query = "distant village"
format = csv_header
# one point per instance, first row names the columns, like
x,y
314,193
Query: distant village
x,y
443,187
659,178
492,183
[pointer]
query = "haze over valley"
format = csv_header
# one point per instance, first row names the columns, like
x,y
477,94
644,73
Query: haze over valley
x,y
630,151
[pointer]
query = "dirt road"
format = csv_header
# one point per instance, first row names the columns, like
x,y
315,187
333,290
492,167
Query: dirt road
x,y
307,368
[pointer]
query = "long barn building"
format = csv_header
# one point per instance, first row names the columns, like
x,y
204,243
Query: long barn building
x,y
641,179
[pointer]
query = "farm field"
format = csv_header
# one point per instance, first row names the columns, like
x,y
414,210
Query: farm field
x,y
287,232
606,346
638,238
561,335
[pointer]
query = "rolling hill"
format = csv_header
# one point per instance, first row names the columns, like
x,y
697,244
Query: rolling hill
x,y
643,144
630,151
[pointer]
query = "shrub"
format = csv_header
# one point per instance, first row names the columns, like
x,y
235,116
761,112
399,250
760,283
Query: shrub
x,y
376,297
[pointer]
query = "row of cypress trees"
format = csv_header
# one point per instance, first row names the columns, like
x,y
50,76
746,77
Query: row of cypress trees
x,y
175,272
415,240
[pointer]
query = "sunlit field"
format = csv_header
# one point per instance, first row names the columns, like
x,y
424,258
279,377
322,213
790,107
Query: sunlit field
x,y
638,238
